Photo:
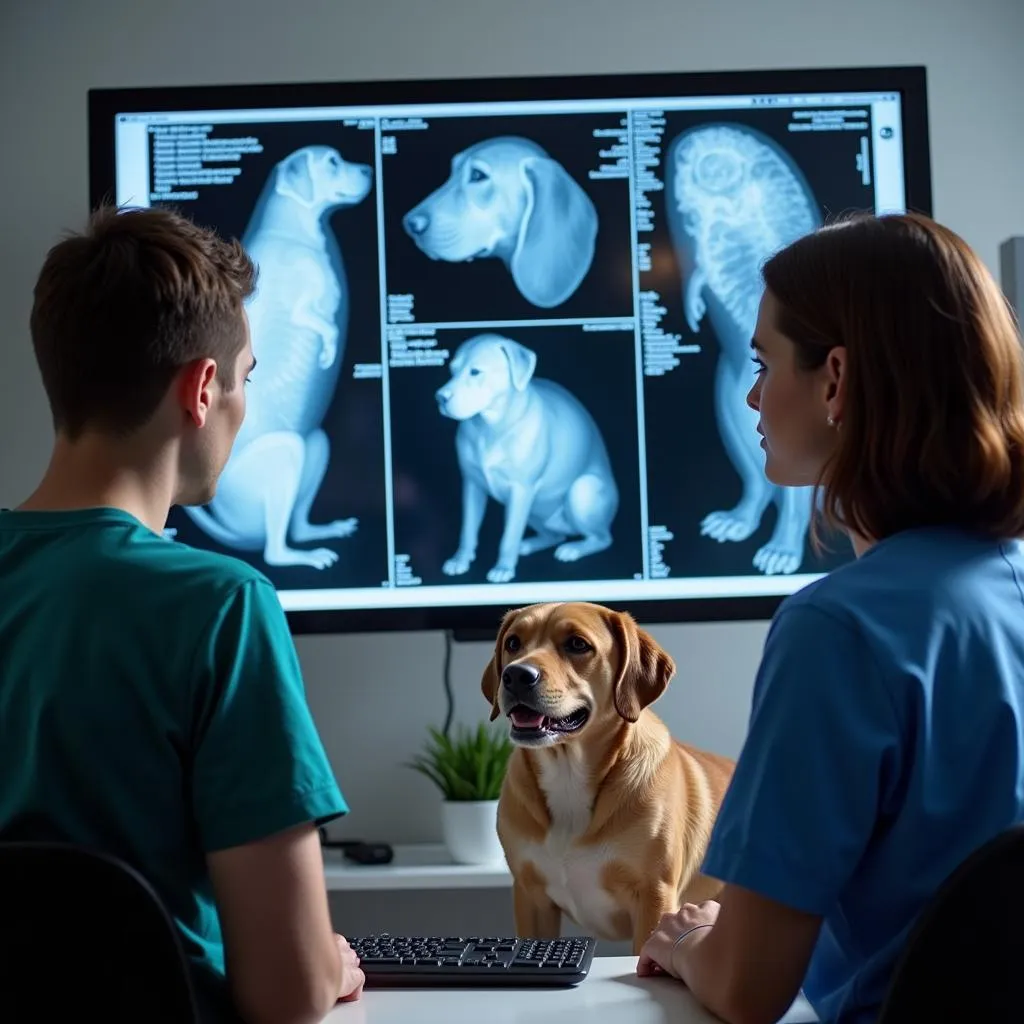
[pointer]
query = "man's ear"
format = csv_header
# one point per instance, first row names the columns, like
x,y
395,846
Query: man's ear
x,y
490,684
644,667
194,389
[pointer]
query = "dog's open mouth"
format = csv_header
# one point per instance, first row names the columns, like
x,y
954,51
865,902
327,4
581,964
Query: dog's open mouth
x,y
527,723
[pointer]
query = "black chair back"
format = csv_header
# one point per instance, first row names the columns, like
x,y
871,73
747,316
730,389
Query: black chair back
x,y
964,958
83,934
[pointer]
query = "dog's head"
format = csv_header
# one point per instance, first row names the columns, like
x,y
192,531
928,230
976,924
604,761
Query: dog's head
x,y
559,670
317,178
485,370
506,197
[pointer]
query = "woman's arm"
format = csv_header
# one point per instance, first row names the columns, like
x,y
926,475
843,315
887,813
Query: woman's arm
x,y
743,957
819,766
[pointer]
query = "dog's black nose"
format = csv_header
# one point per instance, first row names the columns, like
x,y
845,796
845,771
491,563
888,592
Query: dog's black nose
x,y
521,677
416,223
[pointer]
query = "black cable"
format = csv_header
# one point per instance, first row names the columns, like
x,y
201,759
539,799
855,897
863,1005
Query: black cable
x,y
448,639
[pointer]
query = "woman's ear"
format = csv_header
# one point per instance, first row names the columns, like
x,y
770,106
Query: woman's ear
x,y
835,383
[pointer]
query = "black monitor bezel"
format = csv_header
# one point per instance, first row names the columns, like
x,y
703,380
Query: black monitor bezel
x,y
469,621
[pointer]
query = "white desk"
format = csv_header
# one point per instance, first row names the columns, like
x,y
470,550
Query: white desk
x,y
610,994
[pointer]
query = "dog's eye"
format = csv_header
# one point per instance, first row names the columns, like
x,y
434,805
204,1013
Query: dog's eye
x,y
475,372
512,643
577,645
475,174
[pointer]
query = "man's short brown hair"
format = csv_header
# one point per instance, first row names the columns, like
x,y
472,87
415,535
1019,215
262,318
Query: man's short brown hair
x,y
120,308
932,430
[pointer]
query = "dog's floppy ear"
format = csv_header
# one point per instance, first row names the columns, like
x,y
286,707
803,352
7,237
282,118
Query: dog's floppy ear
x,y
644,668
522,361
491,681
556,235
295,178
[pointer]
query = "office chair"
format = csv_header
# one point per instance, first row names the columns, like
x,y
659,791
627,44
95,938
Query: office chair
x,y
82,933
962,963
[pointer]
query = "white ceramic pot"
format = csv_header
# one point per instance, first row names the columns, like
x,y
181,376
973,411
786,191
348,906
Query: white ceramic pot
x,y
470,830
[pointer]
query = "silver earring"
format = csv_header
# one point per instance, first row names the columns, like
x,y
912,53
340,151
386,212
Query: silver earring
x,y
831,422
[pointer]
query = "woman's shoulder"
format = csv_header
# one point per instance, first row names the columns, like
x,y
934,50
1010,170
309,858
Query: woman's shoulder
x,y
915,584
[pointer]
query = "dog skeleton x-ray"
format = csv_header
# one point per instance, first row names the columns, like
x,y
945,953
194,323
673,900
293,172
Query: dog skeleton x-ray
x,y
734,198
530,445
505,197
298,320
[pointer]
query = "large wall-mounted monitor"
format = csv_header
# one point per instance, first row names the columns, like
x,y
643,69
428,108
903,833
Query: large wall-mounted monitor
x,y
502,326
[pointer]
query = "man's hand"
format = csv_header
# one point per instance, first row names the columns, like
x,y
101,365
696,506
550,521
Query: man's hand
x,y
660,949
352,977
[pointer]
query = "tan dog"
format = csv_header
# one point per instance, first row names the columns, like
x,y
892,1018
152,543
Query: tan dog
x,y
603,816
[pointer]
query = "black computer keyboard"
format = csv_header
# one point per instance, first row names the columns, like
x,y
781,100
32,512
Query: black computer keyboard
x,y
450,961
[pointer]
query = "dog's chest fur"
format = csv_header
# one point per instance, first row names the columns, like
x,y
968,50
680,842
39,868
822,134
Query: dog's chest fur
x,y
572,872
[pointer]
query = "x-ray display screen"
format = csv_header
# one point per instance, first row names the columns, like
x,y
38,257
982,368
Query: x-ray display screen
x,y
503,348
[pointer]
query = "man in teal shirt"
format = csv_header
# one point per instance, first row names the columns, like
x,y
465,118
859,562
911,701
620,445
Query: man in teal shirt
x,y
151,701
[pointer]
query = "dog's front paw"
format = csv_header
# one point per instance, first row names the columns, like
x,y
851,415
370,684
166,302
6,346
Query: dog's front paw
x,y
458,564
501,573
695,310
328,353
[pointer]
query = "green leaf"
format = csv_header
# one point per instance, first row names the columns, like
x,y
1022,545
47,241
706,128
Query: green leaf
x,y
468,765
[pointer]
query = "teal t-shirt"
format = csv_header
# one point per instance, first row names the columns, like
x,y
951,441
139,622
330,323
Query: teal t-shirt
x,y
151,706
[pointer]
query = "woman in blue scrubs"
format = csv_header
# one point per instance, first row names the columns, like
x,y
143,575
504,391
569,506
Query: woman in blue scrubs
x,y
886,735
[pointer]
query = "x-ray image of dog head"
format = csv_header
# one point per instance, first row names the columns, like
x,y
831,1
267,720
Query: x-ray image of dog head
x,y
507,198
483,373
319,179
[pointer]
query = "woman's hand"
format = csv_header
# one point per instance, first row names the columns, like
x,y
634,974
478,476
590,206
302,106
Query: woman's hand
x,y
672,933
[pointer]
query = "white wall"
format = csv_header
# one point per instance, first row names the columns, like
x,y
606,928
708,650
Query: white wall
x,y
372,696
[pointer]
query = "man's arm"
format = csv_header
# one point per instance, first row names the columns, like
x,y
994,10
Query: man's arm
x,y
260,784
283,961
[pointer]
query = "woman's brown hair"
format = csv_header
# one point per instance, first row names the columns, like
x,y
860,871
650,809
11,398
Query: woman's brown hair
x,y
932,429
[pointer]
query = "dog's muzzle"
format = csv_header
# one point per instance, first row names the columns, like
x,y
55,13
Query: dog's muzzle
x,y
532,725
521,680
416,223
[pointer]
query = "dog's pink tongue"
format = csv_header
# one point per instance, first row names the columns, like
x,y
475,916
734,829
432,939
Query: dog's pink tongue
x,y
523,719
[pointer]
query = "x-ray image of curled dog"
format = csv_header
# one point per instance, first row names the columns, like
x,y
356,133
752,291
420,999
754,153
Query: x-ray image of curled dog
x,y
507,199
734,198
529,444
298,319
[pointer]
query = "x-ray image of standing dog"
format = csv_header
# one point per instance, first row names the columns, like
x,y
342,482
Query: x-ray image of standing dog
x,y
734,198
507,198
529,444
298,318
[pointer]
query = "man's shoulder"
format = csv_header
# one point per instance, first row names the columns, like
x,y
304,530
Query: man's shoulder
x,y
179,564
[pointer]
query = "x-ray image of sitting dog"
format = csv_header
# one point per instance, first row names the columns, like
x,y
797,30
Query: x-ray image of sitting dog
x,y
529,444
298,318
733,198
507,198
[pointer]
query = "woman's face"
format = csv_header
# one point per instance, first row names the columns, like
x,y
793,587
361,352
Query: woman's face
x,y
794,405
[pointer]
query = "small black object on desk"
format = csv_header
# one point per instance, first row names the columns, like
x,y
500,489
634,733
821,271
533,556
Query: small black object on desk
x,y
358,851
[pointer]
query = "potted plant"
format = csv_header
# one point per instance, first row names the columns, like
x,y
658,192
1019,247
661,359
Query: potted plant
x,y
468,770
